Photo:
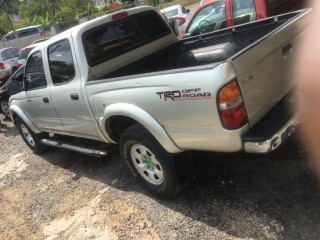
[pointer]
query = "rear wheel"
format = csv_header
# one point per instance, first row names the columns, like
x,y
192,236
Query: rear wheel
x,y
30,138
153,167
5,108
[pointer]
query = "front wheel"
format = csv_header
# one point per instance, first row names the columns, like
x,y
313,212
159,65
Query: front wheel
x,y
5,108
149,162
30,138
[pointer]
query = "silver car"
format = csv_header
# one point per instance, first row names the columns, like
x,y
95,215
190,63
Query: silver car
x,y
8,62
26,36
178,12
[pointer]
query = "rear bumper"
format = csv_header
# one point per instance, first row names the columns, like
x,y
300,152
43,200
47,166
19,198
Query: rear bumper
x,y
274,141
273,129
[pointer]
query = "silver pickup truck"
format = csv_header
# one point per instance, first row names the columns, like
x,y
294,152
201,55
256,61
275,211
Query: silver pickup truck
x,y
126,79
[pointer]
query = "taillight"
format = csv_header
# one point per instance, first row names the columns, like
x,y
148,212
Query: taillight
x,y
180,20
2,66
231,107
19,65
41,34
119,15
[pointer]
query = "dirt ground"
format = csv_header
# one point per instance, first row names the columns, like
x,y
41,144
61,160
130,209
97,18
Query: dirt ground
x,y
66,195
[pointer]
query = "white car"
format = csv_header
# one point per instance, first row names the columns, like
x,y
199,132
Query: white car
x,y
180,13
24,52
8,62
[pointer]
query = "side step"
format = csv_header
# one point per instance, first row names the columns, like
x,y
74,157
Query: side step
x,y
89,151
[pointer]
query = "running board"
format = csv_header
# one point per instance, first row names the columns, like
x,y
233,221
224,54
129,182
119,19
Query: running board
x,y
89,151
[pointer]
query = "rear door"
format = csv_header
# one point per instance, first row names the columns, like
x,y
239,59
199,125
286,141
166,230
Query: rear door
x,y
263,69
65,89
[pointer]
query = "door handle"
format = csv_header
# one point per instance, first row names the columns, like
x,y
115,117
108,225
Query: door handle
x,y
45,99
287,51
74,96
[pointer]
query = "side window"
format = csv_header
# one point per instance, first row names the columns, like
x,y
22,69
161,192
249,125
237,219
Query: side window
x,y
18,75
35,77
210,18
244,11
10,37
28,32
61,62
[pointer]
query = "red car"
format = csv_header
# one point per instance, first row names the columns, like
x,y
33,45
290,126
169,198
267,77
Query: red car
x,y
218,14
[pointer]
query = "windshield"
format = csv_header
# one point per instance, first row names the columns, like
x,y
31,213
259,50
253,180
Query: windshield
x,y
23,54
171,13
208,19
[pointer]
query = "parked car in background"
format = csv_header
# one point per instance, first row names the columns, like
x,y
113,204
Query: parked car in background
x,y
24,52
5,95
41,40
26,36
8,63
214,15
180,13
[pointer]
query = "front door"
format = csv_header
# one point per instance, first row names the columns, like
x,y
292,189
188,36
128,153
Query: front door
x,y
36,102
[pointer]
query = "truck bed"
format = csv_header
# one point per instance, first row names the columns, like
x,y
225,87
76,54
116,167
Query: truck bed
x,y
208,48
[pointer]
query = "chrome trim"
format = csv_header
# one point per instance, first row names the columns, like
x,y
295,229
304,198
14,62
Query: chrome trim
x,y
275,141
80,149
232,104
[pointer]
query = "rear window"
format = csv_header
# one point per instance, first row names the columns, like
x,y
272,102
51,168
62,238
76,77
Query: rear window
x,y
276,3
171,13
23,54
118,37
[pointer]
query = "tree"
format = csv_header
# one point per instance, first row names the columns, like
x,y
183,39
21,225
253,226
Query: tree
x,y
6,6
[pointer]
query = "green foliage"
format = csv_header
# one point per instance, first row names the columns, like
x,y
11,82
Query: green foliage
x,y
4,25
65,13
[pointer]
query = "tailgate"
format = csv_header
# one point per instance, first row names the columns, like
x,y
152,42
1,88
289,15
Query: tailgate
x,y
263,68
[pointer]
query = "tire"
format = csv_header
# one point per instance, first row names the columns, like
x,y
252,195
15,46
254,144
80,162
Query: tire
x,y
149,163
5,108
30,138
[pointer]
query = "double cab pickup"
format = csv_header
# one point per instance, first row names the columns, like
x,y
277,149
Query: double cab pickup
x,y
125,80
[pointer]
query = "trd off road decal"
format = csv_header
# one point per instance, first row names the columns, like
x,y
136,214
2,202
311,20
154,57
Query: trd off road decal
x,y
185,95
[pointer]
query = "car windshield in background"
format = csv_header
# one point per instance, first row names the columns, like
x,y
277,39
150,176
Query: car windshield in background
x,y
171,13
23,54
207,18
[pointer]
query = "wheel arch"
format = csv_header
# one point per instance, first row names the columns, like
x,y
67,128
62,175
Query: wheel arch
x,y
15,112
126,115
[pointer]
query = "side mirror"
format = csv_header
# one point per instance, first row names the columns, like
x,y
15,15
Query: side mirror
x,y
14,88
173,25
188,10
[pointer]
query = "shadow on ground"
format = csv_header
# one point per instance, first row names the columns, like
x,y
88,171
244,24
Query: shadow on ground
x,y
253,196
